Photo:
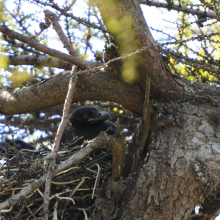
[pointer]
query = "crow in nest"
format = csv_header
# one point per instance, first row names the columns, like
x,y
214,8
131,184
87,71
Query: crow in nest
x,y
87,122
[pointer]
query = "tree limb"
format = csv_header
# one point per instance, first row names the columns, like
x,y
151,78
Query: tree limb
x,y
54,20
160,78
79,20
94,84
33,43
98,84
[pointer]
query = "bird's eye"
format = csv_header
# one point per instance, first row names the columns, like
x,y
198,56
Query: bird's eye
x,y
85,116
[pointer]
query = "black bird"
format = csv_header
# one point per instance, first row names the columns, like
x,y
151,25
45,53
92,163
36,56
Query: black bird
x,y
20,145
87,122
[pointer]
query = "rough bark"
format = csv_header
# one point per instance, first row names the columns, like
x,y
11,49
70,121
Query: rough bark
x,y
92,85
182,167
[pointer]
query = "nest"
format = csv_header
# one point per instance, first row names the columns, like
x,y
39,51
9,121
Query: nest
x,y
73,191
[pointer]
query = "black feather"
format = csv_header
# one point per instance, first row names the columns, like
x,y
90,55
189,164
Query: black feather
x,y
87,122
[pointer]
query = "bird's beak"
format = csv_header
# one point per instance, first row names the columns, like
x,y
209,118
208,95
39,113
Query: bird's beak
x,y
102,116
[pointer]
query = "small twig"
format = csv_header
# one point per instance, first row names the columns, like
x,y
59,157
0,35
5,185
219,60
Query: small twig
x,y
215,8
32,214
20,211
63,183
6,210
19,174
67,198
65,171
55,211
64,12
96,180
77,187
66,110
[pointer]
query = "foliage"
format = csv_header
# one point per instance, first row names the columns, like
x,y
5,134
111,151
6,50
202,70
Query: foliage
x,y
200,48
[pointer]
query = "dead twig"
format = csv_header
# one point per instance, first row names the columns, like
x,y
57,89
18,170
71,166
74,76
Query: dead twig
x,y
66,111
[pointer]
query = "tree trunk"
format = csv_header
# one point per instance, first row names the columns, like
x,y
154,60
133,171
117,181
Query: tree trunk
x,y
181,168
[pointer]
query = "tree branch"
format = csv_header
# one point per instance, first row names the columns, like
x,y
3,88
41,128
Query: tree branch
x,y
33,43
94,84
66,112
179,8
97,84
54,20
41,61
79,20
141,36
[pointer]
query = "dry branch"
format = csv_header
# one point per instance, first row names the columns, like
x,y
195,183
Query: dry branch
x,y
70,15
66,112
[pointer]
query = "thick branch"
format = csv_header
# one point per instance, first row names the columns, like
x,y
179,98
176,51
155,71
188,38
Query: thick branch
x,y
92,85
97,84
41,47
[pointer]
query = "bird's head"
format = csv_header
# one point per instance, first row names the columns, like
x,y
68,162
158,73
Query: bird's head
x,y
86,116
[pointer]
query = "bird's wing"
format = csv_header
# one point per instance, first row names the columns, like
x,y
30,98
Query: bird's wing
x,y
68,135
